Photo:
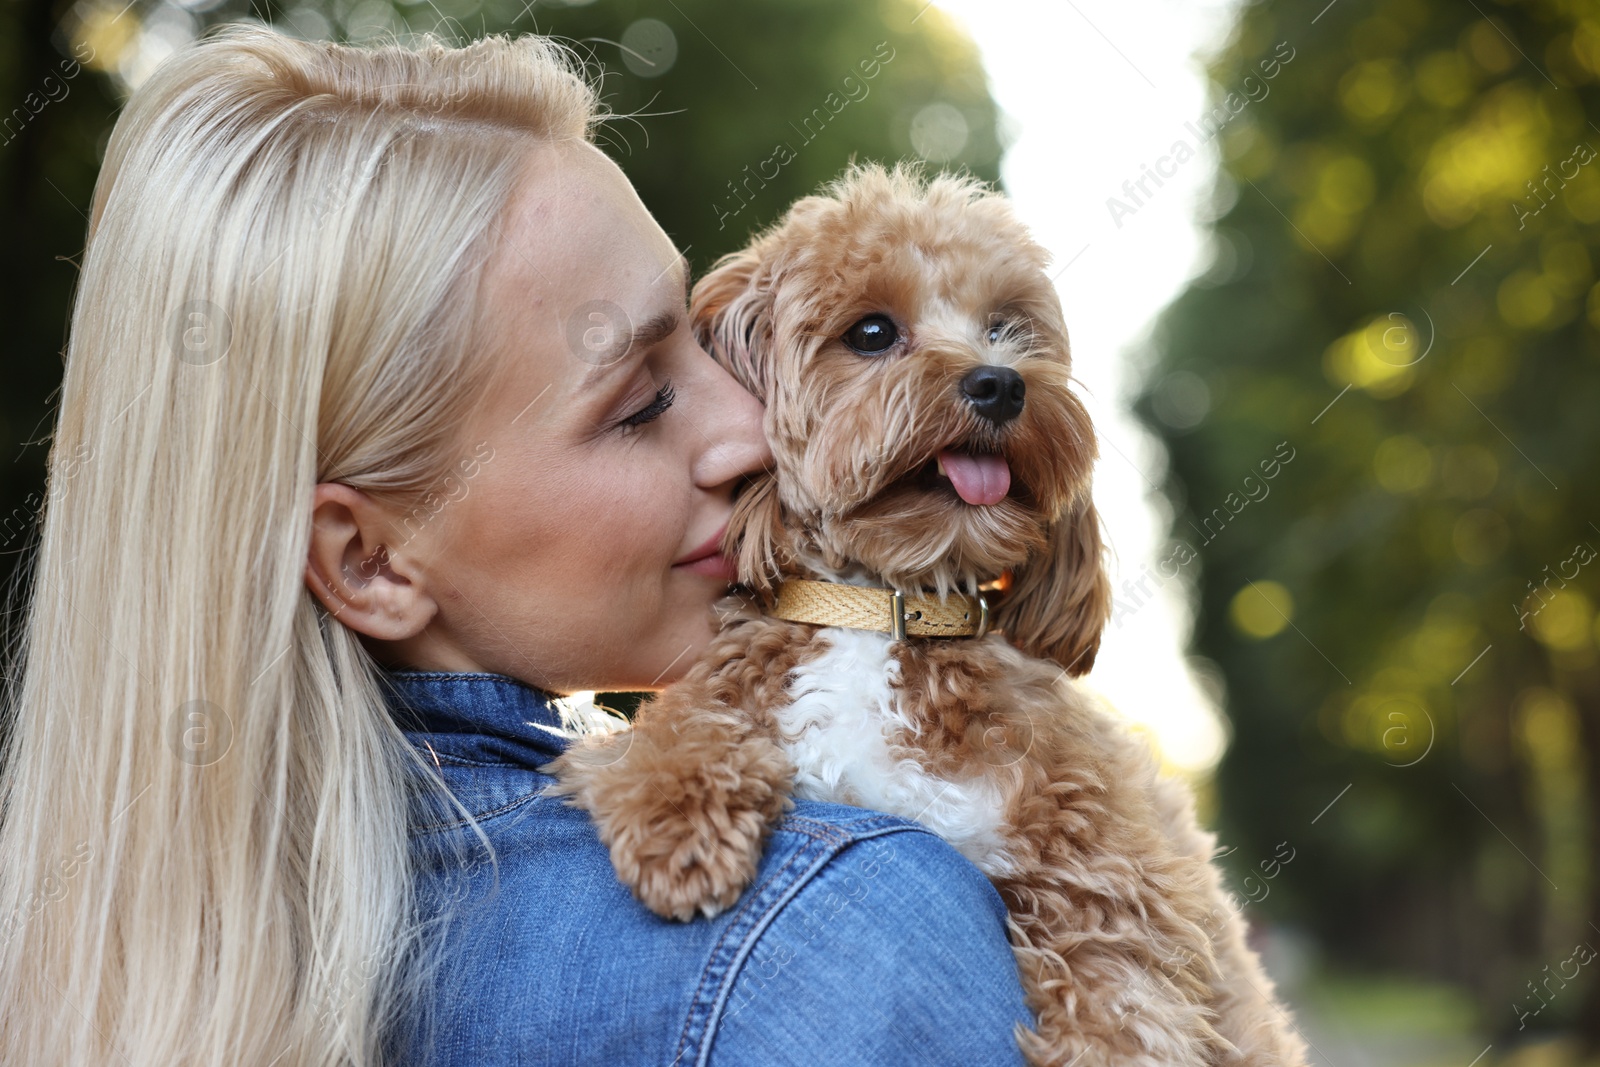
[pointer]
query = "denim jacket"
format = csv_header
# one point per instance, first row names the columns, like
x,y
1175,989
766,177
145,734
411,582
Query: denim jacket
x,y
864,938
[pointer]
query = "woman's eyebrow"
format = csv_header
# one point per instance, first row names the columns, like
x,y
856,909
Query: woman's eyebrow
x,y
655,329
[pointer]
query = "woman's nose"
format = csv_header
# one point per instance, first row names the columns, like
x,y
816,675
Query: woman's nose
x,y
735,443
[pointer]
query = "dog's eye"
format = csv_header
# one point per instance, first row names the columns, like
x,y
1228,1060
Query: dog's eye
x,y
871,335
998,329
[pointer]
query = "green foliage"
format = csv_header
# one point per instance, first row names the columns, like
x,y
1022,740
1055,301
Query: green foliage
x,y
774,99
1404,292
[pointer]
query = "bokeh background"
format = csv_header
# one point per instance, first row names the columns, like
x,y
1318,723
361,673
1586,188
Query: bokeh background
x,y
1330,273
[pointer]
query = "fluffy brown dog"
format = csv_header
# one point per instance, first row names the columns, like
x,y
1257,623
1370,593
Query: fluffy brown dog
x,y
910,350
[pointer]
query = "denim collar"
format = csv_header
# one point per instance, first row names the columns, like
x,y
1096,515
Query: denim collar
x,y
474,702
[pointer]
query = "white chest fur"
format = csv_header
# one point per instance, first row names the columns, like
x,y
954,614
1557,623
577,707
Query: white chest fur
x,y
835,730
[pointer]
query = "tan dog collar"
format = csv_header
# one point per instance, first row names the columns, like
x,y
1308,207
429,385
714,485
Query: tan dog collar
x,y
885,610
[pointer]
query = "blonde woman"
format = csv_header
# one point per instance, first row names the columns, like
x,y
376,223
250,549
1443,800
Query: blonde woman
x,y
382,431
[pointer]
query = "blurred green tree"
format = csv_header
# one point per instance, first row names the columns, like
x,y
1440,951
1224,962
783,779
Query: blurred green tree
x,y
1402,301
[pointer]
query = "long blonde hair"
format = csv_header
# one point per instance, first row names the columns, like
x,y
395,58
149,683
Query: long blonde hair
x,y
203,851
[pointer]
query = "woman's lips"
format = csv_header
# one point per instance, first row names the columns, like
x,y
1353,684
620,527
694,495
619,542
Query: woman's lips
x,y
713,566
707,560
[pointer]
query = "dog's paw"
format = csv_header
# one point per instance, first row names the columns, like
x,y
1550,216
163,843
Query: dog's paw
x,y
687,857
685,812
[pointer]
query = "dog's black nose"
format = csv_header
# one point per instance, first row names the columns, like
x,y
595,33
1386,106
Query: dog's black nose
x,y
995,392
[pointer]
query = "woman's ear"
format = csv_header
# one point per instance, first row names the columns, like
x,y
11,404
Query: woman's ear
x,y
351,570
1060,600
732,319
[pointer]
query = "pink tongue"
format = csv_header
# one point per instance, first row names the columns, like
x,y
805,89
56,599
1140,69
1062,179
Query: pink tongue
x,y
978,478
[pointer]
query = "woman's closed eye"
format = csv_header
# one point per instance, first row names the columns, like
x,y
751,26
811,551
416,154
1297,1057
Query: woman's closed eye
x,y
651,411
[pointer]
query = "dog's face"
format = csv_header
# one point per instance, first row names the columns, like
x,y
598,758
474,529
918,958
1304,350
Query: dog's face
x,y
910,350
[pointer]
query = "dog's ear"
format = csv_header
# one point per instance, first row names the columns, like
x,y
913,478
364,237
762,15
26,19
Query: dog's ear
x,y
732,318
757,529
1060,599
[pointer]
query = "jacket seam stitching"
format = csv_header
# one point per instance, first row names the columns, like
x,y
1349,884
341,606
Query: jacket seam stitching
x,y
477,816
451,757
694,1004
836,842
456,676
817,829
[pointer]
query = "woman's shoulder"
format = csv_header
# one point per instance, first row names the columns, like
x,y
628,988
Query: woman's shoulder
x,y
893,952
862,936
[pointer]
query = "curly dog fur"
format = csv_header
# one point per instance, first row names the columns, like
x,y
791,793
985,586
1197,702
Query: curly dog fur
x,y
1131,950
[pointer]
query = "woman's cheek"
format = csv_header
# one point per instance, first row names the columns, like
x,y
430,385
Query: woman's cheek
x,y
664,497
